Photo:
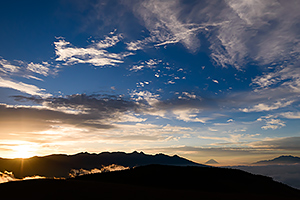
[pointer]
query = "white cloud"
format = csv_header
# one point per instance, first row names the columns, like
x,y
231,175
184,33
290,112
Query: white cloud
x,y
23,87
142,84
149,97
136,67
186,95
135,45
149,132
98,57
151,63
26,70
287,78
109,41
79,172
38,68
170,128
170,82
215,81
189,115
33,77
9,176
230,120
129,117
34,177
291,115
211,129
271,122
192,96
232,138
6,177
264,107
8,67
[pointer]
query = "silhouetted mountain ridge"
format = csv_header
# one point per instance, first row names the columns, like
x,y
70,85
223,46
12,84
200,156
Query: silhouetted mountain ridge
x,y
281,160
157,182
191,177
59,165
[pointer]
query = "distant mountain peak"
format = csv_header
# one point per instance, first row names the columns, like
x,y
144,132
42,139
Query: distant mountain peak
x,y
211,161
281,160
289,156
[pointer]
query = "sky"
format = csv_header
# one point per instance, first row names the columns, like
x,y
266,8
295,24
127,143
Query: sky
x,y
200,79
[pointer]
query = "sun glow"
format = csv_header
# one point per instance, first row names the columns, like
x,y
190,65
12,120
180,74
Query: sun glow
x,y
23,151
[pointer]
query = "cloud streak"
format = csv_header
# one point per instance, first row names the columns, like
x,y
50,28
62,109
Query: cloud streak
x,y
9,176
239,33
110,168
93,54
287,174
162,20
249,32
25,69
23,87
264,107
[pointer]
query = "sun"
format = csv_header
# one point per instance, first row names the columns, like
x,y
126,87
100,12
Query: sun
x,y
23,151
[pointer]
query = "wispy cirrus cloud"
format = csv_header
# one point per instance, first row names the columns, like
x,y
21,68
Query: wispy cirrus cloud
x,y
248,32
238,32
162,19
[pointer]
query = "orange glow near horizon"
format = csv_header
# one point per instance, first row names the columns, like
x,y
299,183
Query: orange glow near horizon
x,y
23,151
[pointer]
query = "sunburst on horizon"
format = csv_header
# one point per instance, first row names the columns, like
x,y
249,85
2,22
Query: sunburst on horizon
x,y
23,151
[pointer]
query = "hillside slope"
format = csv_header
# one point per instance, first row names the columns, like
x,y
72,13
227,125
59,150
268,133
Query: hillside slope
x,y
156,182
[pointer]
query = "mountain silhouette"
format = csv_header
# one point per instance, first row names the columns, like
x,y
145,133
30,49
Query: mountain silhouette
x,y
155,182
211,161
59,165
280,160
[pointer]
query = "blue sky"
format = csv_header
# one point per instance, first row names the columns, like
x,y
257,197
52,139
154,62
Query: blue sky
x,y
202,79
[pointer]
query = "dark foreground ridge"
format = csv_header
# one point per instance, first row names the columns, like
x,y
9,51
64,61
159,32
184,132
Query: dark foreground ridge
x,y
59,165
155,182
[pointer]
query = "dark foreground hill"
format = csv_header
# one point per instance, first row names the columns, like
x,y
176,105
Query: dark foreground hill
x,y
59,165
280,160
154,182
